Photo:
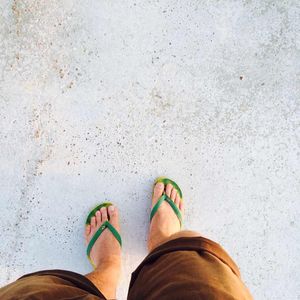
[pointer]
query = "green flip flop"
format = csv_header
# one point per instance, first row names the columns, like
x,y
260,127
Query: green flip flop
x,y
164,197
105,225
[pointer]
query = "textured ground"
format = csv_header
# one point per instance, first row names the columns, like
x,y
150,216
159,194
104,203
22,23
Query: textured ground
x,y
97,98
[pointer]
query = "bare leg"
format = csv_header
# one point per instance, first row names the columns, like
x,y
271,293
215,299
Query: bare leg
x,y
179,234
192,272
106,253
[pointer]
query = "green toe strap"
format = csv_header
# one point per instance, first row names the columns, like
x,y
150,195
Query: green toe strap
x,y
163,198
105,225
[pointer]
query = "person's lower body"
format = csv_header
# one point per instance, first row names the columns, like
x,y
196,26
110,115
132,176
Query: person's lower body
x,y
180,264
187,266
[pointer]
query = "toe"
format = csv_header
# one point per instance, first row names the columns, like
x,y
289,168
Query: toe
x,y
104,214
158,191
177,200
93,223
87,230
87,233
181,206
173,194
98,218
114,216
169,189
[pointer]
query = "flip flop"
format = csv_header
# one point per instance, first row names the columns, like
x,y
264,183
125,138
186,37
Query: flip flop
x,y
97,234
164,197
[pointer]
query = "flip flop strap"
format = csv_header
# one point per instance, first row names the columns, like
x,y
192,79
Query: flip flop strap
x,y
105,225
163,198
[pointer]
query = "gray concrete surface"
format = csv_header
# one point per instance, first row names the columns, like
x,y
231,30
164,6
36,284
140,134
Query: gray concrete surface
x,y
100,97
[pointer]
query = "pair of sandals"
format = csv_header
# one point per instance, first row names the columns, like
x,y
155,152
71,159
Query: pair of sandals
x,y
109,226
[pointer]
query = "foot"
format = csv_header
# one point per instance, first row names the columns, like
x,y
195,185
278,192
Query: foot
x,y
164,223
106,252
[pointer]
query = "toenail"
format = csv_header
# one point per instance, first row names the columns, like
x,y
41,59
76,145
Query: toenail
x,y
111,208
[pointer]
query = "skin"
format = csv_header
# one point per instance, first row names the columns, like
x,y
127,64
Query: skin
x,y
106,252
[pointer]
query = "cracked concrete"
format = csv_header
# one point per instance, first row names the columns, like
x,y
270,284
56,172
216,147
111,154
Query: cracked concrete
x,y
98,98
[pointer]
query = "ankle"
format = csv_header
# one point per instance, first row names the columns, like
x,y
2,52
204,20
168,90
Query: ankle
x,y
184,233
106,281
110,262
156,241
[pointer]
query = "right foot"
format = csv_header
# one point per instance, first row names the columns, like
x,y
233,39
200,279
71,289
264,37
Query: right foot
x,y
165,222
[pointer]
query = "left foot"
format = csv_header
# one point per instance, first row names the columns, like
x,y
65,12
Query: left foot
x,y
106,252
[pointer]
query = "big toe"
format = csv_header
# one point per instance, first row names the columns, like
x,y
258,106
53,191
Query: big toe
x,y
157,192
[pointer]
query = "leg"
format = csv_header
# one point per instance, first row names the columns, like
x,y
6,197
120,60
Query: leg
x,y
182,264
179,234
60,284
106,253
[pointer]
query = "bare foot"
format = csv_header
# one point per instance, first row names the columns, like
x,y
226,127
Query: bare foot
x,y
106,252
165,222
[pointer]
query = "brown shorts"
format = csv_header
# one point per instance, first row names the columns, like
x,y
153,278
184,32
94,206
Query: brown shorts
x,y
51,284
187,268
184,268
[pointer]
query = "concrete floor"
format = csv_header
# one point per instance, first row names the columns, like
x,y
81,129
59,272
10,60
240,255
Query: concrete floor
x,y
98,98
